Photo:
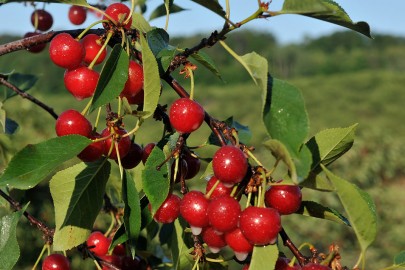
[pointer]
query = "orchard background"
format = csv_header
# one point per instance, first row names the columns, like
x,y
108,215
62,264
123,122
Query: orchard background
x,y
345,78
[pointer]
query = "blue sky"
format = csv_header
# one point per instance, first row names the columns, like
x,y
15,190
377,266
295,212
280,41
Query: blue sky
x,y
383,17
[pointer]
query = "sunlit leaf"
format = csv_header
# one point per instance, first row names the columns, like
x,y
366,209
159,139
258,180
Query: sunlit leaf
x,y
326,10
158,39
160,11
179,247
9,248
112,78
359,207
77,193
207,62
34,162
151,79
314,209
140,23
264,257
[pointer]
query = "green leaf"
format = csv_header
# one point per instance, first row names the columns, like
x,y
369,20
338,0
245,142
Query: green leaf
x,y
359,208
316,210
24,82
317,182
165,57
212,5
151,79
160,11
156,182
158,39
330,144
112,78
132,210
77,193
179,247
264,257
244,133
399,259
280,152
34,162
326,10
139,22
9,248
207,62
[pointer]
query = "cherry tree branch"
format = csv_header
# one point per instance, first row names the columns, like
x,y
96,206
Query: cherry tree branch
x,y
23,94
48,232
302,260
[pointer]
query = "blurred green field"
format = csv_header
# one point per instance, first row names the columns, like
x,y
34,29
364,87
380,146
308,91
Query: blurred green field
x,y
372,97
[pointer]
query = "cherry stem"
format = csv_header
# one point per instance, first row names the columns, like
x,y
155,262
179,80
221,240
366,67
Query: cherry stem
x,y
191,74
48,232
23,94
45,247
79,37
302,260
109,35
208,195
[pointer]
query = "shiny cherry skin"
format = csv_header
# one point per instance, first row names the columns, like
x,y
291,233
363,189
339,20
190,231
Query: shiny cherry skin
x,y
314,266
36,48
44,19
98,243
66,52
282,263
260,225
238,243
134,83
223,213
220,189
56,262
93,151
119,12
169,210
72,122
92,44
286,199
147,149
77,15
229,164
193,208
213,240
124,143
186,115
193,165
81,82
133,158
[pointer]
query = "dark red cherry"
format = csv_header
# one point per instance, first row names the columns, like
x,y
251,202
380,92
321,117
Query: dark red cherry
x,y
98,243
193,208
43,18
286,199
124,143
134,83
186,115
147,149
72,122
213,239
238,243
169,210
55,262
223,213
66,52
283,263
81,82
229,164
92,44
119,13
93,151
314,266
260,225
193,165
133,158
77,15
35,48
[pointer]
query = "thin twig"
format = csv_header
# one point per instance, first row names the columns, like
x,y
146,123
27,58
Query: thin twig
x,y
302,260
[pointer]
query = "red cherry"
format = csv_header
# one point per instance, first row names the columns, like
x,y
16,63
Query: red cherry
x,y
134,83
124,143
186,115
119,13
81,82
286,199
282,263
181,170
130,264
223,213
55,262
65,51
98,243
119,250
169,210
193,165
113,259
238,243
36,48
77,15
193,208
133,158
92,44
213,240
146,151
246,266
44,19
229,164
260,225
93,151
314,266
220,189
138,99
72,122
